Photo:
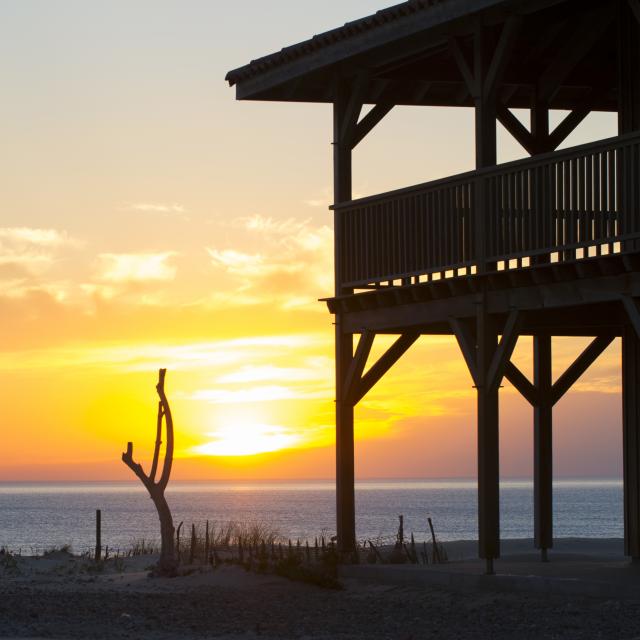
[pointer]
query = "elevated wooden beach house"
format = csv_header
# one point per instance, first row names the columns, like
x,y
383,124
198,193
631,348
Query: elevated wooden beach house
x,y
546,246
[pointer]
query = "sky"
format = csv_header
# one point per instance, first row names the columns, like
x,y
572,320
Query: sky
x,y
149,220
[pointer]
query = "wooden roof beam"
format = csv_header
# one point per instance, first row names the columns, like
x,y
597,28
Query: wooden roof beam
x,y
586,34
516,129
500,58
635,7
366,125
566,127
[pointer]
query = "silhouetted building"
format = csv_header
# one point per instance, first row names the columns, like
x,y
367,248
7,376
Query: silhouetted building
x,y
546,246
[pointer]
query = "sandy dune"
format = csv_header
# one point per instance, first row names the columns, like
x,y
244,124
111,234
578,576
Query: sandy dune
x,y
62,596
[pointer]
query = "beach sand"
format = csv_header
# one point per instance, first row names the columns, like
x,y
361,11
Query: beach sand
x,y
61,596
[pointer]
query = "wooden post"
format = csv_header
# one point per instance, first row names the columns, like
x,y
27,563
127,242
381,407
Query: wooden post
x,y
543,445
540,125
488,441
98,554
631,440
486,146
345,492
628,118
485,102
628,69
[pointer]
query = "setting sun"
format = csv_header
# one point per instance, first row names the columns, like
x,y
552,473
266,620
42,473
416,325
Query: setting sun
x,y
246,439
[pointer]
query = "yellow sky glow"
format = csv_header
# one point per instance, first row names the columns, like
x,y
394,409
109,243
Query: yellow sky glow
x,y
149,220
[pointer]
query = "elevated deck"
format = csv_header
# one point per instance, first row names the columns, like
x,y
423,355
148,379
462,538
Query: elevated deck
x,y
553,208
545,246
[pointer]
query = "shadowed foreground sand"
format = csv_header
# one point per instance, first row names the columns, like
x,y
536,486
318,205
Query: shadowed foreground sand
x,y
61,597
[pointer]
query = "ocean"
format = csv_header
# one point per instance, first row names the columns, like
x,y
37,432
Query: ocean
x,y
35,517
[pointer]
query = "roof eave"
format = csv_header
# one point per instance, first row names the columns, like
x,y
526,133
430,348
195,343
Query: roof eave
x,y
255,86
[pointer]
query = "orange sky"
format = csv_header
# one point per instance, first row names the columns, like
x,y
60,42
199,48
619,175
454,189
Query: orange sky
x,y
149,220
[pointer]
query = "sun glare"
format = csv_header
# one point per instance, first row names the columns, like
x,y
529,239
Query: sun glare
x,y
247,439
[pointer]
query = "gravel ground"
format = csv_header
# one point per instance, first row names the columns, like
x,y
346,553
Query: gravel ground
x,y
230,603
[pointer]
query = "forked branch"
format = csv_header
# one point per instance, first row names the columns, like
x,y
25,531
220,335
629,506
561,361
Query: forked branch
x,y
164,413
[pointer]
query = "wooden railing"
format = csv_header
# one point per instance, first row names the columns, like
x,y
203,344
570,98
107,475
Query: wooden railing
x,y
560,206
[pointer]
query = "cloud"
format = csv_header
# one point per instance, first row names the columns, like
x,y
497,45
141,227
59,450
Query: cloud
x,y
270,373
267,393
157,207
136,267
236,262
288,226
29,236
27,254
222,355
293,269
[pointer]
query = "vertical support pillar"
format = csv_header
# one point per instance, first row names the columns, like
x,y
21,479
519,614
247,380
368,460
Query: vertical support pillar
x,y
543,446
631,440
485,102
486,145
628,69
345,476
488,441
540,125
628,118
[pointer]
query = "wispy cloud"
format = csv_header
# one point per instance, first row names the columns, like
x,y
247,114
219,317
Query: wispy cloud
x,y
270,373
29,236
137,267
27,256
288,226
267,393
223,356
293,269
157,207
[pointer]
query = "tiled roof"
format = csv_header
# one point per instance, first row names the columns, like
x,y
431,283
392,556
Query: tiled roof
x,y
296,51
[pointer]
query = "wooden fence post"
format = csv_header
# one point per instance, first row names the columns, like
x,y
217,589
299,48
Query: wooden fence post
x,y
98,554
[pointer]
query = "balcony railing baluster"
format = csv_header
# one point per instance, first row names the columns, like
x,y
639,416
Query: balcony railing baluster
x,y
561,206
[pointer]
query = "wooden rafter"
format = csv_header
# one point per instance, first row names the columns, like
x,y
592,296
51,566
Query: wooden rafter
x,y
463,66
528,391
505,348
359,361
633,312
531,393
353,129
540,144
360,386
579,366
635,7
566,127
354,107
365,126
585,35
516,129
467,341
503,49
475,84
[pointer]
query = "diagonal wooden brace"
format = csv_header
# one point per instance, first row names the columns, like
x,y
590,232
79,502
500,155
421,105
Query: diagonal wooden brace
x,y
362,386
467,343
358,363
505,348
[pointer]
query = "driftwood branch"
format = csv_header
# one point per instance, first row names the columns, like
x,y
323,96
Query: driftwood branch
x,y
168,561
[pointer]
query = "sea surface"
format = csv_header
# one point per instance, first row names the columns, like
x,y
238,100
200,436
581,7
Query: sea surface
x,y
36,517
